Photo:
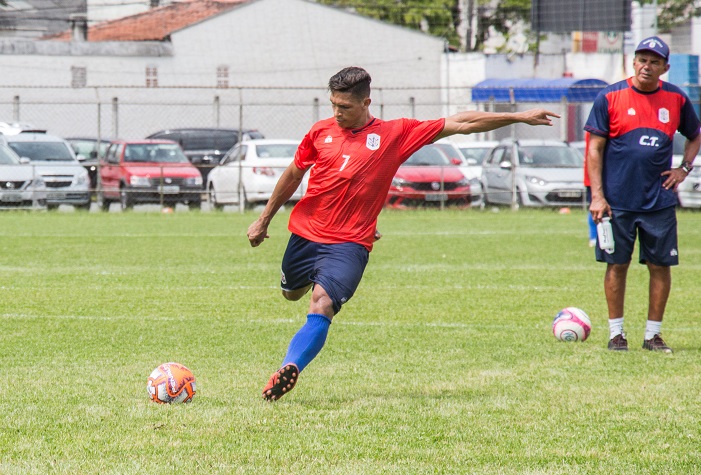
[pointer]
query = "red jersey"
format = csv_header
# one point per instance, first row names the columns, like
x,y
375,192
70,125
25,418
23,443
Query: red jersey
x,y
351,175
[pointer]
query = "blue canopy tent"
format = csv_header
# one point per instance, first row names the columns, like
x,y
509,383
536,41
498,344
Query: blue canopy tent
x,y
537,90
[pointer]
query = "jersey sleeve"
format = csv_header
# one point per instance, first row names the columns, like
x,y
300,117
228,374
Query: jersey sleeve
x,y
689,124
417,133
306,153
598,121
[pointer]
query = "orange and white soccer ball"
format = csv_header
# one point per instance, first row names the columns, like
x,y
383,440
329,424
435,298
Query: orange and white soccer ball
x,y
571,324
171,383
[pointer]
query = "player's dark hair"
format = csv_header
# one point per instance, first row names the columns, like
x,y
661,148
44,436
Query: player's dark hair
x,y
352,79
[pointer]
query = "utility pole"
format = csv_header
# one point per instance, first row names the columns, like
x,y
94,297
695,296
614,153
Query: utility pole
x,y
466,9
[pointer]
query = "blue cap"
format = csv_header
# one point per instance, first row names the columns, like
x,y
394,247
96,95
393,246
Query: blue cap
x,y
654,45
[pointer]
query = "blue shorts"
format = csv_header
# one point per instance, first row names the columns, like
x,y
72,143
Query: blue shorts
x,y
656,232
337,268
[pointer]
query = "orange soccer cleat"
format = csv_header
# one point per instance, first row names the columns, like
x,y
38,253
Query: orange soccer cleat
x,y
281,382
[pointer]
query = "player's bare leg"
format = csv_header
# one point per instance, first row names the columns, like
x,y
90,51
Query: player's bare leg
x,y
615,289
296,294
660,285
304,346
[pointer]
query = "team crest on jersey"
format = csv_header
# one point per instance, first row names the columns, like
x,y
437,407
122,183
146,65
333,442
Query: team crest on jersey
x,y
663,115
631,111
373,142
328,139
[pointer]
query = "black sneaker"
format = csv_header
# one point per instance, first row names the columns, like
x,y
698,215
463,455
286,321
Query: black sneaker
x,y
618,343
656,343
281,382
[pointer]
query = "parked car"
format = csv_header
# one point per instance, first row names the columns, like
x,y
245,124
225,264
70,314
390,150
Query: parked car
x,y
469,162
476,152
579,145
259,163
689,191
20,186
148,171
205,147
534,173
428,178
14,128
87,151
65,178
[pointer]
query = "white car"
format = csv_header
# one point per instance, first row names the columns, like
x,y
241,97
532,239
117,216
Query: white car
x,y
249,172
533,172
20,186
455,157
579,145
689,191
474,154
53,158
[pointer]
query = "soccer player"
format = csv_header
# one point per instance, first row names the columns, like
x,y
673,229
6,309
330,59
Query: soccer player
x,y
632,126
353,157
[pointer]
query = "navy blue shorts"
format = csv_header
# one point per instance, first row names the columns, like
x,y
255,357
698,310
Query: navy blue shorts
x,y
656,232
337,268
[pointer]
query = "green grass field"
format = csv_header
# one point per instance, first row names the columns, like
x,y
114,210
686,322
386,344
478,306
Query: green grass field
x,y
443,362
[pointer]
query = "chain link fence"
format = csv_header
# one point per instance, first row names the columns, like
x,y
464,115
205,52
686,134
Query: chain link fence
x,y
133,113
108,113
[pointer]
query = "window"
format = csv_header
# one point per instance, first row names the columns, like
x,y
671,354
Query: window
x,y
233,155
113,153
151,76
496,157
79,76
222,77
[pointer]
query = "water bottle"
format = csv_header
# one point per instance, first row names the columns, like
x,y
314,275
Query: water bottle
x,y
605,234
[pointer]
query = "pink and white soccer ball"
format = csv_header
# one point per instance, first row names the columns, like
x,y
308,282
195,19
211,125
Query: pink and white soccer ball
x,y
571,324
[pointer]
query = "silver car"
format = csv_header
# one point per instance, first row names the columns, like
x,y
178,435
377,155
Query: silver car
x,y
534,173
20,186
53,158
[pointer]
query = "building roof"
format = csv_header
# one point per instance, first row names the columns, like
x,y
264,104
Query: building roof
x,y
34,18
537,90
155,24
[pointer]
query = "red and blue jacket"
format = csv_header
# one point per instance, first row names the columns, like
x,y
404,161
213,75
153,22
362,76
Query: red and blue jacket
x,y
639,128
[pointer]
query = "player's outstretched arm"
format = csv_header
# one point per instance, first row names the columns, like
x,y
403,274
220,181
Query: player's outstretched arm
x,y
477,121
284,189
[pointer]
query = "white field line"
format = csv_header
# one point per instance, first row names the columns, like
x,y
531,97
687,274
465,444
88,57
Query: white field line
x,y
467,232
296,321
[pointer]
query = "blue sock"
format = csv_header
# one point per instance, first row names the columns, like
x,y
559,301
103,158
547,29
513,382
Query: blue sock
x,y
308,341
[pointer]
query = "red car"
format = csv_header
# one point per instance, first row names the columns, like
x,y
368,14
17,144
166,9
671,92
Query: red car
x,y
428,178
148,171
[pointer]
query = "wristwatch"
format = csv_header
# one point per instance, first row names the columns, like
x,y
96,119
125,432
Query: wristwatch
x,y
687,167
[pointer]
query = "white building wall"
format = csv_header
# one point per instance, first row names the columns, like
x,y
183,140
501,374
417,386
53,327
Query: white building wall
x,y
103,10
696,36
267,44
270,48
300,43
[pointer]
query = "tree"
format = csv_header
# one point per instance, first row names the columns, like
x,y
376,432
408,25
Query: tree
x,y
506,13
436,17
671,13
442,17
